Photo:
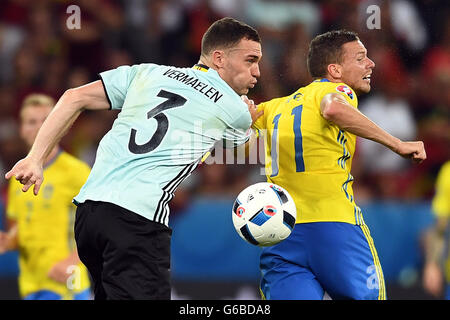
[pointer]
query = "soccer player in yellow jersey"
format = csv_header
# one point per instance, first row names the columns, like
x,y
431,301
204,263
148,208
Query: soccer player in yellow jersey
x,y
436,247
309,144
42,226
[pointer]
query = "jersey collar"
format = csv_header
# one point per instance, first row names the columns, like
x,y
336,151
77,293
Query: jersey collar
x,y
322,80
201,67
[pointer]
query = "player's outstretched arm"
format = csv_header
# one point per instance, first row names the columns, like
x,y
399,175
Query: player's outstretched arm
x,y
336,109
29,171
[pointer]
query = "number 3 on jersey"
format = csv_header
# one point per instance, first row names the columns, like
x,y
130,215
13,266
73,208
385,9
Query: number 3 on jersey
x,y
298,141
173,101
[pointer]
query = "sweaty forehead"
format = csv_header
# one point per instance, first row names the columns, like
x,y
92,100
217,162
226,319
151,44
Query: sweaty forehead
x,y
248,47
353,48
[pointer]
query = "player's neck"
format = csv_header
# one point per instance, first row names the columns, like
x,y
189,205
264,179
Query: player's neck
x,y
205,62
332,79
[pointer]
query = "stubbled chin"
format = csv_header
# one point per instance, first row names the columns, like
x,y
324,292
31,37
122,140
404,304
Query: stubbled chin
x,y
363,89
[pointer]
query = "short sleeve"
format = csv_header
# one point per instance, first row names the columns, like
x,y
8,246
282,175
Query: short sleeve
x,y
339,88
441,200
116,83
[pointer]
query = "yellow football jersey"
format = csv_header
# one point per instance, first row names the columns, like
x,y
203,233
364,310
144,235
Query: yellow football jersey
x,y
441,203
45,226
309,156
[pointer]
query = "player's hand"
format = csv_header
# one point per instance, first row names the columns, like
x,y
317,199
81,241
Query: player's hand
x,y
432,279
28,172
4,242
414,150
254,113
60,271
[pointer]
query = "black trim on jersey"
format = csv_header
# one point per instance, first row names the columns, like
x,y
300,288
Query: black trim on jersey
x,y
170,188
106,92
162,212
201,65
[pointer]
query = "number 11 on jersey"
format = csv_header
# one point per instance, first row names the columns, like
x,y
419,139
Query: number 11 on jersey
x,y
298,141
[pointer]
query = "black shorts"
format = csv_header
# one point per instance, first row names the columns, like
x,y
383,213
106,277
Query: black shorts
x,y
127,255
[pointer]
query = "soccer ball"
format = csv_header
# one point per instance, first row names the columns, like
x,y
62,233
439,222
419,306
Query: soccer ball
x,y
264,214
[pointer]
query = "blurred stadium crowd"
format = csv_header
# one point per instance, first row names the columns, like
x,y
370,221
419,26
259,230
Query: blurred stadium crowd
x,y
410,95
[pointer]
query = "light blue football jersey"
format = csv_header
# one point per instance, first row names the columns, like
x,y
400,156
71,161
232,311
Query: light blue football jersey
x,y
169,118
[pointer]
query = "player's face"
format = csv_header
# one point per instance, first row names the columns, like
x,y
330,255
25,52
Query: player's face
x,y
32,118
241,66
356,66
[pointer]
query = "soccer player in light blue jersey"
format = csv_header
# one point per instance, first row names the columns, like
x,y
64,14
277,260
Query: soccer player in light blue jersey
x,y
169,119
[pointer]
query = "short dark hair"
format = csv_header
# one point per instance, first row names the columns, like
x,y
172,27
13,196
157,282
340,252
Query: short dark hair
x,y
225,33
325,49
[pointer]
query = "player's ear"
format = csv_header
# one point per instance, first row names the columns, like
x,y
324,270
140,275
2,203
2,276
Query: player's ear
x,y
335,70
218,58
